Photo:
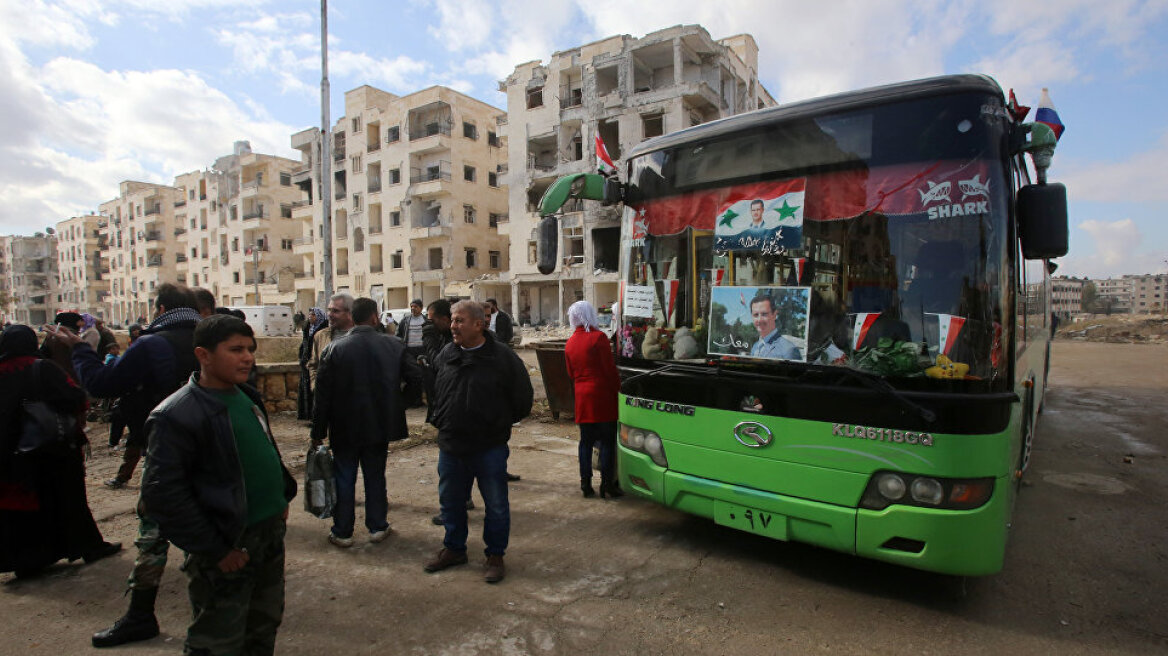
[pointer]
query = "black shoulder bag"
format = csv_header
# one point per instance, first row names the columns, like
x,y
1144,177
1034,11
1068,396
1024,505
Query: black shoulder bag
x,y
42,427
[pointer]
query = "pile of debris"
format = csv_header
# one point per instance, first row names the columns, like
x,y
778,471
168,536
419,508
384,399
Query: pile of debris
x,y
1119,329
544,333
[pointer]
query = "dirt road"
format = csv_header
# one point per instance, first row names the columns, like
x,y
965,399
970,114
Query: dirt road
x,y
1086,569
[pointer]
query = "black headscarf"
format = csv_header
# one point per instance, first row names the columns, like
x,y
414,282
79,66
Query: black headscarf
x,y
16,341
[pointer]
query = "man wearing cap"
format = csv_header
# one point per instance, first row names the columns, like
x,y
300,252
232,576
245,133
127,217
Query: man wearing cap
x,y
410,332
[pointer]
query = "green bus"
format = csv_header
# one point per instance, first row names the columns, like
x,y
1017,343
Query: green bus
x,y
834,321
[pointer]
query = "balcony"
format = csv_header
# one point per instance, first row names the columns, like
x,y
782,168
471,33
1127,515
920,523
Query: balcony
x,y
180,257
152,235
256,214
154,261
374,185
180,231
180,202
339,194
571,97
373,147
429,130
153,209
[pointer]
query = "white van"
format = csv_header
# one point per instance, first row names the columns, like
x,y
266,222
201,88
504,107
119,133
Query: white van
x,y
398,315
268,320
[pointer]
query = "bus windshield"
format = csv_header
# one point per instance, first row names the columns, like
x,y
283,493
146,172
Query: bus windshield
x,y
871,238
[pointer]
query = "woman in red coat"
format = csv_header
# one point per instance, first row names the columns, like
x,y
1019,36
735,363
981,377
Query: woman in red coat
x,y
596,381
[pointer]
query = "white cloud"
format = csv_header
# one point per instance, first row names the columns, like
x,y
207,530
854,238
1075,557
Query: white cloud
x,y
1117,251
1139,178
85,129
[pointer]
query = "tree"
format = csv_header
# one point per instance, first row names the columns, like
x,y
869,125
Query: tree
x,y
1090,297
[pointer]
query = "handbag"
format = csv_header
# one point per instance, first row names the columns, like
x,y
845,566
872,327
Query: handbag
x,y
321,490
43,427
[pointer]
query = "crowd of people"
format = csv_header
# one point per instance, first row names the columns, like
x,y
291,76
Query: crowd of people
x,y
214,483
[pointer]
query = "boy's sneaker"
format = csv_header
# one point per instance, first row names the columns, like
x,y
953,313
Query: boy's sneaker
x,y
343,543
115,484
379,536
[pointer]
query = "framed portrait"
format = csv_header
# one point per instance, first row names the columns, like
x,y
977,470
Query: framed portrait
x,y
768,323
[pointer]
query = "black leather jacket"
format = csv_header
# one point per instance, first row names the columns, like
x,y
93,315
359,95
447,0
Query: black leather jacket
x,y
478,395
193,484
358,398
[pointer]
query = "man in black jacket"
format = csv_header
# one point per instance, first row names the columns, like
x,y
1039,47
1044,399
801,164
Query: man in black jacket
x,y
482,388
501,323
217,488
359,408
157,363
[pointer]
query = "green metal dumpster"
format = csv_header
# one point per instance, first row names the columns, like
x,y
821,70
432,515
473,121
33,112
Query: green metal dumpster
x,y
553,367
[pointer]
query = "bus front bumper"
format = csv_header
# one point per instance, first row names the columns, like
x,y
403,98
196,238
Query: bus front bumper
x,y
958,542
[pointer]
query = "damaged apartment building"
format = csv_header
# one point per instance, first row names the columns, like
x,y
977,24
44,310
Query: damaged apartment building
x,y
417,199
625,90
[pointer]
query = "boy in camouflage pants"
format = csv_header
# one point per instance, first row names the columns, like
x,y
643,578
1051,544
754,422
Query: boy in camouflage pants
x,y
218,490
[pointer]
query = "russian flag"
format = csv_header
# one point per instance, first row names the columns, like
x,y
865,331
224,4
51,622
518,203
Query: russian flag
x,y
1047,115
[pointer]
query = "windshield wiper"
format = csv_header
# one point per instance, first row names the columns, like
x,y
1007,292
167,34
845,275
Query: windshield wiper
x,y
688,368
877,382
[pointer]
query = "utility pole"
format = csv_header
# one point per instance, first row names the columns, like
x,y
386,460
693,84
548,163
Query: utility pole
x,y
325,159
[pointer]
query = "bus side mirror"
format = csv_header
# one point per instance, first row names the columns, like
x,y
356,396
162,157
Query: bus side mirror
x,y
547,243
1042,220
613,191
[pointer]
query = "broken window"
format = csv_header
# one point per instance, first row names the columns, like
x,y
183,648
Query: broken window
x,y
468,173
469,130
532,252
492,179
495,257
395,218
468,213
435,259
395,260
606,248
653,125
574,242
610,135
607,80
535,97
472,258
392,134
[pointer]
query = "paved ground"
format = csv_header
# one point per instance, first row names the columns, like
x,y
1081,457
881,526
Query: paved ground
x,y
1086,568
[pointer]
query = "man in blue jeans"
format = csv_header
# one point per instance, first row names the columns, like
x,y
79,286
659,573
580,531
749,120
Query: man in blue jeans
x,y
359,408
481,389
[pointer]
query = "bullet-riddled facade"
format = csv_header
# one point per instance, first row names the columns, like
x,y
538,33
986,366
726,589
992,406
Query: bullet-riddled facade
x,y
624,90
416,199
30,278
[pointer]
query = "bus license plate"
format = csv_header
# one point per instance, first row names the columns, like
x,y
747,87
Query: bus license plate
x,y
759,522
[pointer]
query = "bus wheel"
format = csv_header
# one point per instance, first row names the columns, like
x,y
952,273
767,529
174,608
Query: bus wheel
x,y
1027,435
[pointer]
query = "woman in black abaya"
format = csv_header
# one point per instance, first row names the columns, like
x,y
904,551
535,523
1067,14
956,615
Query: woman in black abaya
x,y
44,513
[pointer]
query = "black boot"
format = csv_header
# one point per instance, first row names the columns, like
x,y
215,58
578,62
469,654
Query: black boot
x,y
137,624
586,488
609,488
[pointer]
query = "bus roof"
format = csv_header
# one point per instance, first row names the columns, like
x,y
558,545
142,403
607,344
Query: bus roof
x,y
913,89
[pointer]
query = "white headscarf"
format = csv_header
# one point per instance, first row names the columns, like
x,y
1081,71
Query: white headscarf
x,y
583,314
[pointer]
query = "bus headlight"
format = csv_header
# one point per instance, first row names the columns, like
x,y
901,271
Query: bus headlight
x,y
644,441
927,490
888,488
655,449
891,486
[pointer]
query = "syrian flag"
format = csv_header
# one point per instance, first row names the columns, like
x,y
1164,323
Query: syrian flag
x,y
948,328
603,162
1047,115
864,321
1019,112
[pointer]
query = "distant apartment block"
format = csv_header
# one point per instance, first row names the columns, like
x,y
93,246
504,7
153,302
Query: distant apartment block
x,y
1148,293
417,199
625,90
140,236
234,229
1066,295
1134,294
82,265
30,278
